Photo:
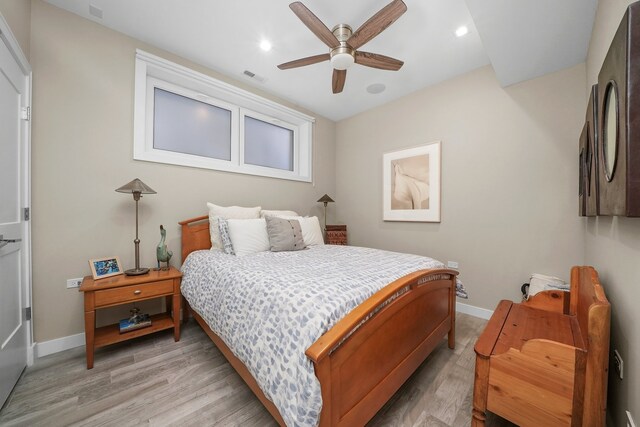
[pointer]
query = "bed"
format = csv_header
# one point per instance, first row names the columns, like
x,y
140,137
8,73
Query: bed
x,y
361,359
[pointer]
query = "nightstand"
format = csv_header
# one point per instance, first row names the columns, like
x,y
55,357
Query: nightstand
x,y
336,235
118,290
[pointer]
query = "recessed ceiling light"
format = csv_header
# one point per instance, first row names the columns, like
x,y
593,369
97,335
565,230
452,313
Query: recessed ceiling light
x,y
265,45
461,31
376,88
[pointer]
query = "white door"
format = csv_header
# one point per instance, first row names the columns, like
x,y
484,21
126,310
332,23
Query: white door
x,y
15,334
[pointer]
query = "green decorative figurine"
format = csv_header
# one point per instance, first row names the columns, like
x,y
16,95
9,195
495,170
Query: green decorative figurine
x,y
162,253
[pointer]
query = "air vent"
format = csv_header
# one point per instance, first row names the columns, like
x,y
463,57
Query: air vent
x,y
95,11
254,76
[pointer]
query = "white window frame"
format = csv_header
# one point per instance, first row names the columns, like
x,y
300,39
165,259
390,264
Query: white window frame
x,y
152,71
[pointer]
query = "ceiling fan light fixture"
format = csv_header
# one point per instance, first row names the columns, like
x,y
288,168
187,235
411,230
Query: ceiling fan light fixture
x,y
344,43
342,61
342,57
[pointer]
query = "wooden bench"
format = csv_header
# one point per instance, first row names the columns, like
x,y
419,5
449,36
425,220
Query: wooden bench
x,y
544,362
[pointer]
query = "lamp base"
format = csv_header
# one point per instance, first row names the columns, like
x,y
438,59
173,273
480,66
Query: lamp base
x,y
136,271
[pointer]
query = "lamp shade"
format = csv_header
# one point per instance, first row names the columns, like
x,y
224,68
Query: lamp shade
x,y
136,186
325,199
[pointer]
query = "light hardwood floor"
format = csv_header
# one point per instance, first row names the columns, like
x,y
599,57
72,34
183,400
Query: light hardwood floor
x,y
155,381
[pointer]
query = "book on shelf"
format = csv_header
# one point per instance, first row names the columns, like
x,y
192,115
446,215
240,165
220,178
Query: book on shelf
x,y
126,325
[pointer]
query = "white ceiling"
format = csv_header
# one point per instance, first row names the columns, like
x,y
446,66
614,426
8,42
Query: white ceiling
x,y
527,39
520,38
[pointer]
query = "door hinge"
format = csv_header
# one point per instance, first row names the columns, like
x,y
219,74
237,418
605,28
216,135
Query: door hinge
x,y
26,113
27,214
27,313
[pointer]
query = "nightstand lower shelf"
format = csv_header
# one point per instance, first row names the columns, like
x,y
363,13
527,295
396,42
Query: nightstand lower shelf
x,y
110,334
119,290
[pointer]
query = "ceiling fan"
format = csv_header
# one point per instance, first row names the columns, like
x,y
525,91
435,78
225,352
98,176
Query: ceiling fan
x,y
344,42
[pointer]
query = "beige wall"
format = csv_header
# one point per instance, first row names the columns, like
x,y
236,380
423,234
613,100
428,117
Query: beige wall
x,y
613,247
82,151
509,187
17,13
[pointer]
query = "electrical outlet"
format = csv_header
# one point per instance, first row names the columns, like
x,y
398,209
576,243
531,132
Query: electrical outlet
x,y
618,363
74,283
452,264
630,422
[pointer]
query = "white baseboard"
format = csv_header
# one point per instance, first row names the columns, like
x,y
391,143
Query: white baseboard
x,y
472,310
59,344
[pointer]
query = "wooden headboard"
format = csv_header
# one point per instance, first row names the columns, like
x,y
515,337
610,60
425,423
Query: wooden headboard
x,y
195,235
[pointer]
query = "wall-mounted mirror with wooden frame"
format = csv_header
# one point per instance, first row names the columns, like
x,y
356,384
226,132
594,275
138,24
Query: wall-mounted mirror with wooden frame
x,y
618,109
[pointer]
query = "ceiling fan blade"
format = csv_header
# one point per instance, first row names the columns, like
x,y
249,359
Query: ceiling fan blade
x,y
375,60
305,61
339,77
314,24
377,23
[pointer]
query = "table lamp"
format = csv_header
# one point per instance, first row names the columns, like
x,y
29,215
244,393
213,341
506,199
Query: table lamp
x,y
325,199
137,188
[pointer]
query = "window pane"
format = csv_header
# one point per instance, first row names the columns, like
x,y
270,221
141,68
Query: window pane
x,y
267,145
188,126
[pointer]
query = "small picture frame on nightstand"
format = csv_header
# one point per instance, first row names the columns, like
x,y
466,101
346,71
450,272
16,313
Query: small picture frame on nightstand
x,y
105,267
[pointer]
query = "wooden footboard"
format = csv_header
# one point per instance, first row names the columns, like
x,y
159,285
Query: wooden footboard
x,y
363,360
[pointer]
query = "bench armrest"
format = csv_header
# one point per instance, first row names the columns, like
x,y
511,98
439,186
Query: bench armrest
x,y
487,341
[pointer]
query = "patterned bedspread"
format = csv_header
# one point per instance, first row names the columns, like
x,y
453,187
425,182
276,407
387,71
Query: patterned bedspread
x,y
269,307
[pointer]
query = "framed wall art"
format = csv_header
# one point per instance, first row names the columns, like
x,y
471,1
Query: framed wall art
x,y
105,267
591,155
582,199
411,184
588,184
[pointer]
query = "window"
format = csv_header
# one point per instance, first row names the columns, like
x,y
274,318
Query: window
x,y
267,144
183,125
186,118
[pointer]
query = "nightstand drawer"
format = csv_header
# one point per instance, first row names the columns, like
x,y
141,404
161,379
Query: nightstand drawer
x,y
132,293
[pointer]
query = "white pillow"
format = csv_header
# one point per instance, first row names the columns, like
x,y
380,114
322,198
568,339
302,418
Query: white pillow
x,y
248,236
278,214
229,212
311,231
